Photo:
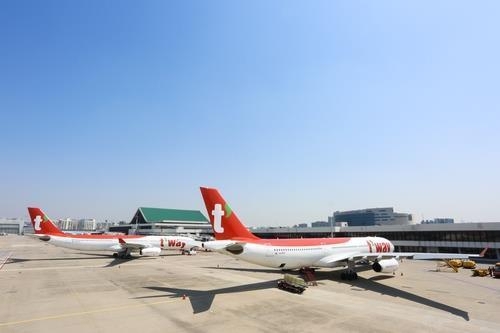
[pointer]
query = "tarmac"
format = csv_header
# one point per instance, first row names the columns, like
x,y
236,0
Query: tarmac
x,y
49,289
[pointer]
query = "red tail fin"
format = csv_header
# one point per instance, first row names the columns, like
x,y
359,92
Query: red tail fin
x,y
224,221
42,224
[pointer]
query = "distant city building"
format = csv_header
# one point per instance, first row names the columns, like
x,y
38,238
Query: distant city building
x,y
66,224
438,220
319,224
87,224
372,216
69,224
332,223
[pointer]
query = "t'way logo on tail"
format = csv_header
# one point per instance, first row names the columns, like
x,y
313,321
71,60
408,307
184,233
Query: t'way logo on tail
x,y
224,221
37,221
218,213
41,223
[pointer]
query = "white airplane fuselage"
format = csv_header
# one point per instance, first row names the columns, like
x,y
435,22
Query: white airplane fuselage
x,y
284,254
96,243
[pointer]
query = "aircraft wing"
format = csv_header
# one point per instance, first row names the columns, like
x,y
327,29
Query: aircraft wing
x,y
429,256
131,246
355,256
336,257
235,247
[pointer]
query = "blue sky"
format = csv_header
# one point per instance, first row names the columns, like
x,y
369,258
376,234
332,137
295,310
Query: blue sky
x,y
293,109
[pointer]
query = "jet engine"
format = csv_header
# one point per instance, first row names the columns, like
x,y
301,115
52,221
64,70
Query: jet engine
x,y
150,251
230,246
385,265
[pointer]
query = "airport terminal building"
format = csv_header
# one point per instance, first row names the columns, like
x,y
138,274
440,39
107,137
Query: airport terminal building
x,y
164,221
468,238
11,226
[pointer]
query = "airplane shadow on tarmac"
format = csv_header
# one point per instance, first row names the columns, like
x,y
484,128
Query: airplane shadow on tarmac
x,y
251,270
201,300
93,256
371,284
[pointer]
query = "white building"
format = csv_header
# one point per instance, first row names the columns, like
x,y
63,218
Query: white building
x,y
69,224
372,216
11,226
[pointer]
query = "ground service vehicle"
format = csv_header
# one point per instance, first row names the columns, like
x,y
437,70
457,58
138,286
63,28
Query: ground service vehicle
x,y
470,264
496,270
292,283
455,263
480,272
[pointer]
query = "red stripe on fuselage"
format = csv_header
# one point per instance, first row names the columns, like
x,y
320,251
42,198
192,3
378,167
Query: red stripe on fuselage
x,y
295,241
101,236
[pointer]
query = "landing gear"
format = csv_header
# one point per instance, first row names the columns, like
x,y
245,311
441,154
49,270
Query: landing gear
x,y
349,274
125,254
309,275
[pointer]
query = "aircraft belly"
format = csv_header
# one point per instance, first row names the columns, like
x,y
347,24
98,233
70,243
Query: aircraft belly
x,y
104,245
289,261
62,242
85,244
278,258
256,256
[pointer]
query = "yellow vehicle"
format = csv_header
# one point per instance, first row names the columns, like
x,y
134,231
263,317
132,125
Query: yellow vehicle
x,y
470,264
455,262
480,272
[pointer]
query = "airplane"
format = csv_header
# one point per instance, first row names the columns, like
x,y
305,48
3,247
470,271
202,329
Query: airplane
x,y
121,245
234,239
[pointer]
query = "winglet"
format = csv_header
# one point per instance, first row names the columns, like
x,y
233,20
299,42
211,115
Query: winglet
x,y
121,241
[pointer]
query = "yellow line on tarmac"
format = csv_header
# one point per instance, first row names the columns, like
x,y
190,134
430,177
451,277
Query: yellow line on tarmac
x,y
75,314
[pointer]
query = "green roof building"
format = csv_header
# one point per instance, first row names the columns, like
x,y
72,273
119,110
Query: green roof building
x,y
164,215
164,221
